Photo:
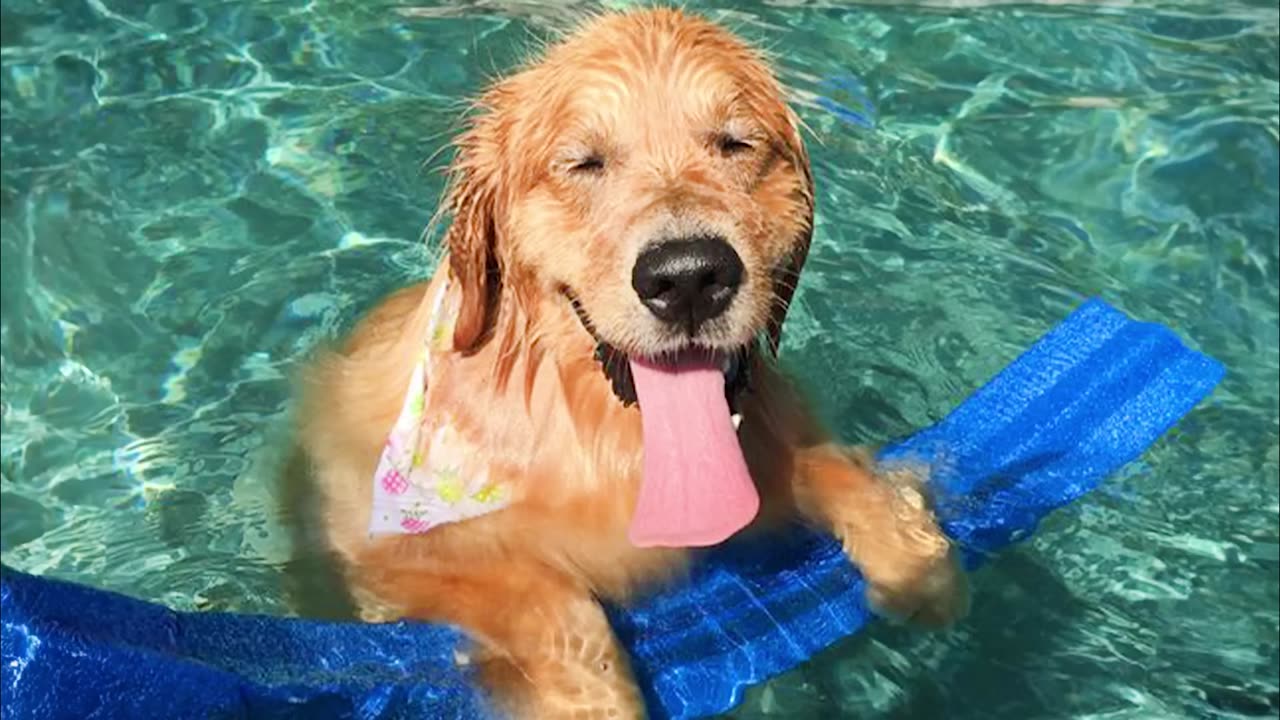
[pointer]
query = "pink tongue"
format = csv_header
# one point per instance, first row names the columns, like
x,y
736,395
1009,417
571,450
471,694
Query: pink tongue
x,y
696,490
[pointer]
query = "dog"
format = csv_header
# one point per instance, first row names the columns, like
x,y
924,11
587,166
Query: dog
x,y
587,388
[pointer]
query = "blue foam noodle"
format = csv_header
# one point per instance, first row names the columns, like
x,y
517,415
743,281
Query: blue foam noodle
x,y
1088,397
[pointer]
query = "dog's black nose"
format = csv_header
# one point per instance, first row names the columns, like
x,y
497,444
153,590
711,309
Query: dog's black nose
x,y
687,281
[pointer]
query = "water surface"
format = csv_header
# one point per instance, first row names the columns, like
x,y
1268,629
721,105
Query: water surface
x,y
195,193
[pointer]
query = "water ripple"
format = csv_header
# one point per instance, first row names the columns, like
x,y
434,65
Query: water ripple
x,y
193,194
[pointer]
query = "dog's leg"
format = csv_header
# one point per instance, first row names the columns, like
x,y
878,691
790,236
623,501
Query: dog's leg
x,y
888,531
568,665
883,519
543,645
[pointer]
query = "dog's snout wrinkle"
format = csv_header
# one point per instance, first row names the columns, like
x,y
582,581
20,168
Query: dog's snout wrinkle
x,y
688,281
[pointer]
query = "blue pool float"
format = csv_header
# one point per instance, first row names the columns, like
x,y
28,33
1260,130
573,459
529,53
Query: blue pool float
x,y
1087,398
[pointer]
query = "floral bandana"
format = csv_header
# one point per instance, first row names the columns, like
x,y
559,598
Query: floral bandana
x,y
428,474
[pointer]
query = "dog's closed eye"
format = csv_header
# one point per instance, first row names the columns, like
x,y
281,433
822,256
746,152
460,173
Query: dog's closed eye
x,y
730,145
587,165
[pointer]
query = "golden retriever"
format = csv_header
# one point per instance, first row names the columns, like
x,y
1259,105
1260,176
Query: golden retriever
x,y
629,217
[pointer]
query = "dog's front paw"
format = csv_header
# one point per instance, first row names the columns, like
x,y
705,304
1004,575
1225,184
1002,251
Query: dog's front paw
x,y
912,574
933,594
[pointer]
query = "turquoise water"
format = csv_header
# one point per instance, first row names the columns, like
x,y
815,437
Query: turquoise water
x,y
195,193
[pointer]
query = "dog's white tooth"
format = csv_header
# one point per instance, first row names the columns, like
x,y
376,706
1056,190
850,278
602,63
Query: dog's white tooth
x,y
736,419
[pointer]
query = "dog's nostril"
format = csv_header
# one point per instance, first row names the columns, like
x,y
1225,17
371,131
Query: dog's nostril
x,y
688,281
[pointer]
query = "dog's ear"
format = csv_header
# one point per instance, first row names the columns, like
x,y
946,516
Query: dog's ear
x,y
789,274
472,239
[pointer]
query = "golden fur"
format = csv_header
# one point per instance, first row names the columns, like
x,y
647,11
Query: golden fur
x,y
639,124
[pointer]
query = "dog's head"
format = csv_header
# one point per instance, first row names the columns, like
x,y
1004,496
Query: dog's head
x,y
645,175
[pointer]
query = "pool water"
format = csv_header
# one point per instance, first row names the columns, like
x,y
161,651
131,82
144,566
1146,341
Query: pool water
x,y
195,193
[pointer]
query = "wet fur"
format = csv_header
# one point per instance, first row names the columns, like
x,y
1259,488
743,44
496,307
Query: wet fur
x,y
523,383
